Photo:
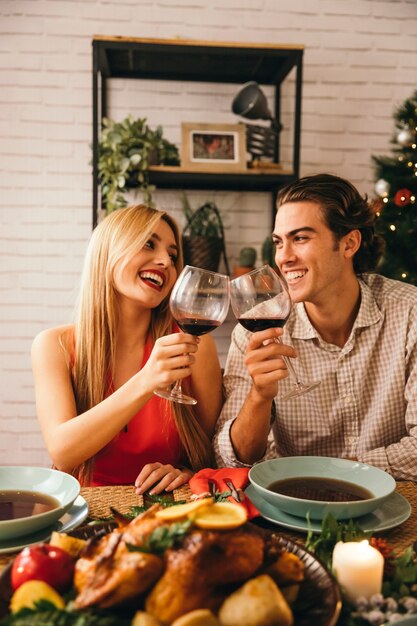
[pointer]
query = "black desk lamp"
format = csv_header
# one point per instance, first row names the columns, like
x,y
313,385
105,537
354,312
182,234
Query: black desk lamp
x,y
250,102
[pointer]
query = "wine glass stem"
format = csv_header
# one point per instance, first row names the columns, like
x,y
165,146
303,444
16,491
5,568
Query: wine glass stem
x,y
290,367
177,388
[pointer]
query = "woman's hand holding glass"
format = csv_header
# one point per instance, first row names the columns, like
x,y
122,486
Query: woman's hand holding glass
x,y
171,359
199,303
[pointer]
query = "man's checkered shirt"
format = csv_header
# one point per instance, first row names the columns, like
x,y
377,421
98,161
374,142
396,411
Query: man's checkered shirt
x,y
366,404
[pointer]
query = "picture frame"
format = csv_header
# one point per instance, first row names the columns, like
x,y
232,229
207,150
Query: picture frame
x,y
213,147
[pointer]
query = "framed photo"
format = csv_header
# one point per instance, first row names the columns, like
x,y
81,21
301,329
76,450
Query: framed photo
x,y
213,147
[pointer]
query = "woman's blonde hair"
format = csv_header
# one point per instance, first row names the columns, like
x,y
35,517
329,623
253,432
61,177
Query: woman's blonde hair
x,y
93,347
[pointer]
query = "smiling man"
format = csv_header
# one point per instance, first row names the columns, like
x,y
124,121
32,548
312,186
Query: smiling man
x,y
350,328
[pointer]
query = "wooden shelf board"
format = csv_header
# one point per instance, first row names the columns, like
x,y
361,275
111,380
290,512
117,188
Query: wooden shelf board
x,y
196,42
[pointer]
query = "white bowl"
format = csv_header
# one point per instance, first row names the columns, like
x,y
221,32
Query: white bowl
x,y
379,483
63,487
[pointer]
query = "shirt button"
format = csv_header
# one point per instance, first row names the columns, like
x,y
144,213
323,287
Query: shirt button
x,y
347,400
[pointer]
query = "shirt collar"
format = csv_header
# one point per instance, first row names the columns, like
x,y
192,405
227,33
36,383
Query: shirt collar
x,y
369,313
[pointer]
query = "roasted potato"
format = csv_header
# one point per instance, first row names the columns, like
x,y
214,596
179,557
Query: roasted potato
x,y
141,618
199,617
290,593
286,570
258,603
72,545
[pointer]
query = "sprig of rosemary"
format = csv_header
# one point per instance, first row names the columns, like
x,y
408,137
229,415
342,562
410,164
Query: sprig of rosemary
x,y
164,500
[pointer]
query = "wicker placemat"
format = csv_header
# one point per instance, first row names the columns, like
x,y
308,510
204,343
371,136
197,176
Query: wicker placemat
x,y
100,499
403,536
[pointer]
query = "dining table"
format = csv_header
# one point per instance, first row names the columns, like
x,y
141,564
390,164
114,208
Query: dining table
x,y
123,498
101,501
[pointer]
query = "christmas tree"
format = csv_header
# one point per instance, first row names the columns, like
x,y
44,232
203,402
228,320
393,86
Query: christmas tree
x,y
396,206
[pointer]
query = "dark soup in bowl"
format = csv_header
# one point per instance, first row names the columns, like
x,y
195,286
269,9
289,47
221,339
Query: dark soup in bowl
x,y
320,489
19,504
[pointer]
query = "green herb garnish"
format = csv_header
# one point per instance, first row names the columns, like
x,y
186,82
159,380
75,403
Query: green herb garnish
x,y
134,511
333,531
221,496
162,538
164,500
46,614
404,576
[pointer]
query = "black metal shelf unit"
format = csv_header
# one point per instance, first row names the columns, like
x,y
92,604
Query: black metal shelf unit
x,y
188,60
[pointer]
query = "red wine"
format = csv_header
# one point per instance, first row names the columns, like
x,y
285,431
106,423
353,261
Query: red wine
x,y
197,326
261,323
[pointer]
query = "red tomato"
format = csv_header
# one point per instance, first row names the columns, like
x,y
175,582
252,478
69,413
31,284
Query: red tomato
x,y
43,562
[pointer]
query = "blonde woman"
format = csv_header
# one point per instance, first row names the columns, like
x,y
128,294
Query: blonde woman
x,y
94,380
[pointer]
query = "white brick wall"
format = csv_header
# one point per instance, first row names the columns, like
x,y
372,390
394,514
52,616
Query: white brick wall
x,y
359,63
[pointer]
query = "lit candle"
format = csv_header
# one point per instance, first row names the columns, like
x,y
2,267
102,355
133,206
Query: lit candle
x,y
358,568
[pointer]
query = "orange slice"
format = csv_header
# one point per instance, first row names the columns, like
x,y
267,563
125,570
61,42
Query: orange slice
x,y
179,511
32,591
222,515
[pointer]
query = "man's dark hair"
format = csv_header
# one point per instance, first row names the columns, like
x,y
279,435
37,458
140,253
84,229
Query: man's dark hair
x,y
343,210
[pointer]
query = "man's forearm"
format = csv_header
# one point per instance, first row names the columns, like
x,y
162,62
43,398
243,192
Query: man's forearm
x,y
249,431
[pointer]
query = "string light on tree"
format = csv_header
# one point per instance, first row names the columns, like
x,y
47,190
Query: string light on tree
x,y
405,137
382,187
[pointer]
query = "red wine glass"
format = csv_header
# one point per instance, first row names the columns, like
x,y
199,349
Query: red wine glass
x,y
260,300
199,303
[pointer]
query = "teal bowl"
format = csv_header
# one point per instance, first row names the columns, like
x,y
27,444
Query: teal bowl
x,y
376,482
62,487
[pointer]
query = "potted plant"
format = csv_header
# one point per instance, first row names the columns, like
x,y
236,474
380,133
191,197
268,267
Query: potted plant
x,y
268,252
203,236
126,150
247,259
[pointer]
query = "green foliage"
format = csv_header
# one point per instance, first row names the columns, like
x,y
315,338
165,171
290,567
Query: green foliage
x,y
268,252
333,531
164,499
222,496
126,150
46,614
397,212
162,538
404,577
400,574
204,221
247,257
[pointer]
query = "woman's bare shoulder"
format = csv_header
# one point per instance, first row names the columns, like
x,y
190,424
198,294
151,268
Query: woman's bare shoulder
x,y
58,337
